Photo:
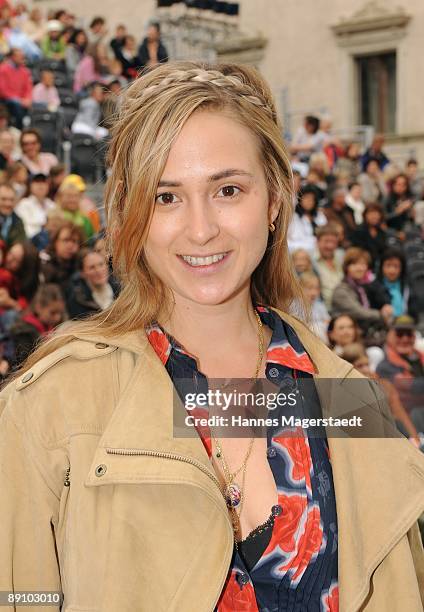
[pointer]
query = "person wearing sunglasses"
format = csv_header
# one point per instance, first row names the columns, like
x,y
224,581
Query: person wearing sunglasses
x,y
404,366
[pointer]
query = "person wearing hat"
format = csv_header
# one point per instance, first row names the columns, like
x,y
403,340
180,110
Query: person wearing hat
x,y
404,366
52,45
87,206
33,209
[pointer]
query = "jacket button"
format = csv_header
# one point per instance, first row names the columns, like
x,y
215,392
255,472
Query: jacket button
x,y
101,345
100,470
27,377
243,579
271,451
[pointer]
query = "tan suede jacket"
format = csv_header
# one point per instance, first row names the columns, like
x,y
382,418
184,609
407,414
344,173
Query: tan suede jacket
x,y
100,501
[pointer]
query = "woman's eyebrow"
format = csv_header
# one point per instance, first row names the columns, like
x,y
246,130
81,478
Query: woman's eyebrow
x,y
212,178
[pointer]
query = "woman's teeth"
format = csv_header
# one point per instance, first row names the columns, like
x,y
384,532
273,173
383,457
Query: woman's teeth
x,y
203,261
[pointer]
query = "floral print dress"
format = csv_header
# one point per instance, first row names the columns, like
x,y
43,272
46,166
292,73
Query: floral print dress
x,y
290,563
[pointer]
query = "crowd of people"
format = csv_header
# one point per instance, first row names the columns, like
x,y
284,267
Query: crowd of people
x,y
355,238
356,241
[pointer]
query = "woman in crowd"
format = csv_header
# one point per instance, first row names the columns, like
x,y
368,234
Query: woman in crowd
x,y
33,210
371,235
392,274
75,50
302,261
17,176
59,259
35,161
343,330
306,219
94,66
90,290
399,203
198,206
372,182
309,281
350,296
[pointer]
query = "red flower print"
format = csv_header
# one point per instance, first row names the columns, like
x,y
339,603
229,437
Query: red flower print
x,y
309,544
287,356
330,599
299,454
236,598
286,525
160,344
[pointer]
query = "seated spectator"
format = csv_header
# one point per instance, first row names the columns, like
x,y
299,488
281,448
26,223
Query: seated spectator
x,y
87,206
56,176
46,311
338,211
307,140
355,354
94,66
342,331
17,176
7,148
372,183
399,203
302,261
16,85
34,27
97,30
350,296
90,289
350,163
328,261
404,366
307,217
11,227
128,57
319,314
19,279
45,94
375,151
69,200
416,182
55,219
75,50
4,42
152,51
5,125
355,202
33,209
318,165
370,235
52,45
90,114
59,259
36,161
392,274
117,41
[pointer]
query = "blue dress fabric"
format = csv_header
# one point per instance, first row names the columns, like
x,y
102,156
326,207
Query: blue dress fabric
x,y
291,564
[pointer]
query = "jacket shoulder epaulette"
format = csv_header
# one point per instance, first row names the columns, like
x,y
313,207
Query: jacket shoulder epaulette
x,y
78,349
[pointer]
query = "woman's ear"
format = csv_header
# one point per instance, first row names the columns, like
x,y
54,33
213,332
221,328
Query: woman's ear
x,y
274,208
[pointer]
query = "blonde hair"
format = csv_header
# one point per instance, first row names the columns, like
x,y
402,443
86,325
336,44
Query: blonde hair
x,y
153,110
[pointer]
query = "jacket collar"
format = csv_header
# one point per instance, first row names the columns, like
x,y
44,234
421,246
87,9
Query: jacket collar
x,y
379,483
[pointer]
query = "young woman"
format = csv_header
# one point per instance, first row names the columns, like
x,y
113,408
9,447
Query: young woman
x,y
306,219
343,330
128,515
392,275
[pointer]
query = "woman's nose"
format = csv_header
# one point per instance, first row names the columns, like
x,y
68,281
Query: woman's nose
x,y
202,222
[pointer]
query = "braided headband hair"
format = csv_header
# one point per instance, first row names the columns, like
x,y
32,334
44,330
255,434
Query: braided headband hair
x,y
232,83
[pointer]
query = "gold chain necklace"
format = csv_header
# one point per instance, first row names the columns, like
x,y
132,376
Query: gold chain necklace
x,y
234,493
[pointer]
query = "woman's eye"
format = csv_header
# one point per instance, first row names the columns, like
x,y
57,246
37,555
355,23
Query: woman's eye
x,y
165,198
230,191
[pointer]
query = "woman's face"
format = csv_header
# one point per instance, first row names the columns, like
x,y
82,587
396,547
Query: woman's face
x,y
39,189
312,290
373,218
31,146
95,270
343,331
210,224
392,269
52,314
301,261
357,270
70,200
14,257
307,202
80,39
400,185
66,245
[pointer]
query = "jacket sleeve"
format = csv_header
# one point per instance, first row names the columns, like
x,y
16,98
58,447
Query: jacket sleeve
x,y
29,503
343,302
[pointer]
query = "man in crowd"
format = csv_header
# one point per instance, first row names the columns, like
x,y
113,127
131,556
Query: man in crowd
x,y
152,51
16,85
327,262
11,226
404,366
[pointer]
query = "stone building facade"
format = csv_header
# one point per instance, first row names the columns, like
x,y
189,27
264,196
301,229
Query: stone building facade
x,y
354,60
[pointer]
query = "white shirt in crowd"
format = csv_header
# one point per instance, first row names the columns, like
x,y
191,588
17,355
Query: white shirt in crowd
x,y
301,232
34,213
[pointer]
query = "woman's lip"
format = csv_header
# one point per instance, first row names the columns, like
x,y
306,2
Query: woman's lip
x,y
209,268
